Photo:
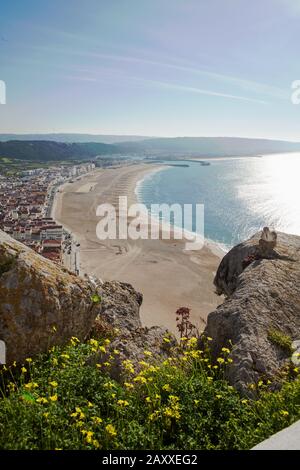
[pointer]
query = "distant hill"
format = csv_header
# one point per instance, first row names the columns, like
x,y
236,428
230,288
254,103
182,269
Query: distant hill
x,y
54,151
209,146
46,150
74,138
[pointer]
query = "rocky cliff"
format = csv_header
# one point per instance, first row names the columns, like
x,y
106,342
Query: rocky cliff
x,y
42,304
261,313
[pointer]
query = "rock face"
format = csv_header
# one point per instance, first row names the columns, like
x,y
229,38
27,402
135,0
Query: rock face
x,y
263,294
41,304
120,310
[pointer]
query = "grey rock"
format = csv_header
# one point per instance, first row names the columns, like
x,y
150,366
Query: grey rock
x,y
41,304
120,306
262,293
120,311
131,345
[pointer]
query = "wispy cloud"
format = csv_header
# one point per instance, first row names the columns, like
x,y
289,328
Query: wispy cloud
x,y
80,79
246,85
249,86
199,91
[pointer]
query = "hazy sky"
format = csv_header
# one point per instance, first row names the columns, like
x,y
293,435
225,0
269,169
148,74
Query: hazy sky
x,y
151,67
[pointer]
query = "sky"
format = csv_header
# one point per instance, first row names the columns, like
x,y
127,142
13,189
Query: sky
x,y
151,67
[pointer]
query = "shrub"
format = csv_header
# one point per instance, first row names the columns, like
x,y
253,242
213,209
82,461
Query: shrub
x,y
280,339
60,402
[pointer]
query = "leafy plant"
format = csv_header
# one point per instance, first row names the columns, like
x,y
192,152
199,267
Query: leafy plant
x,y
59,401
280,339
96,299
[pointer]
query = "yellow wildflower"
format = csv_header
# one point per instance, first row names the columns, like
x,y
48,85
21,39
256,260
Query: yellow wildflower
x,y
96,420
154,415
172,412
53,398
53,384
31,385
28,360
96,443
192,343
284,412
110,429
167,388
11,387
122,403
141,379
88,436
65,356
75,339
127,364
143,363
109,385
148,353
23,370
42,400
128,385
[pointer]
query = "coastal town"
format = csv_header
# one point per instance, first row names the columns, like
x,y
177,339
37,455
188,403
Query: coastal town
x,y
26,203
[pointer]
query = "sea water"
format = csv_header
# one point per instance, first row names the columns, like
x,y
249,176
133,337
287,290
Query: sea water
x,y
240,195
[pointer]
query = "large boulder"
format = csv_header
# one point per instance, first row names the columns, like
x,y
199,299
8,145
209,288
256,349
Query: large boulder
x,y
261,313
119,317
41,304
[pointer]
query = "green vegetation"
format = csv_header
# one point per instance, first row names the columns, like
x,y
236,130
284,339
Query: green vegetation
x,y
61,401
13,167
44,151
280,339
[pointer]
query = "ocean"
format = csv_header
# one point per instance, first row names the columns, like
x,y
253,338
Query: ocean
x,y
241,195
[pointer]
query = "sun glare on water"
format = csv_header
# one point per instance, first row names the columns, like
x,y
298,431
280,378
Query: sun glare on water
x,y
274,191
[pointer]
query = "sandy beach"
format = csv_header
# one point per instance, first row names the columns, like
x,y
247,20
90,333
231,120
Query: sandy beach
x,y
168,276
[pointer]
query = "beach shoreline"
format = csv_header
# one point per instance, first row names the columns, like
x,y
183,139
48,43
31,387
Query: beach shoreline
x,y
168,276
